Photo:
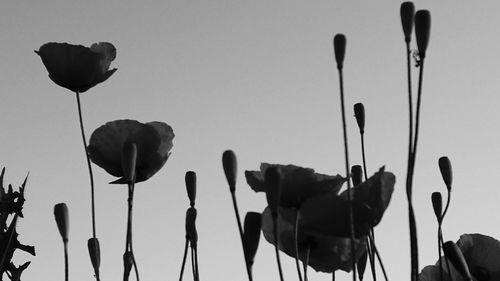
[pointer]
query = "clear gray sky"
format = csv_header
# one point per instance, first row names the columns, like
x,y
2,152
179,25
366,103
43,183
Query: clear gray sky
x,y
257,77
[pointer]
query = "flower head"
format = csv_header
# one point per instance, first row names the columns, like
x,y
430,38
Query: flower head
x,y
297,183
481,253
75,67
153,141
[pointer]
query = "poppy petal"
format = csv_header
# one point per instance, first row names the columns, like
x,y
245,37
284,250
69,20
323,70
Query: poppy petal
x,y
327,253
298,183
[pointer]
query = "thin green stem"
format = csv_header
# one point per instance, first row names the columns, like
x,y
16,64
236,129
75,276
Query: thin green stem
x,y
363,155
128,242
296,241
186,246
66,263
377,254
306,261
91,175
193,265
276,238
240,229
349,195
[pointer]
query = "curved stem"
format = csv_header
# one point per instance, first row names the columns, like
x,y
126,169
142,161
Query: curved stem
x,y
439,253
296,241
349,195
186,245
276,238
371,257
196,263
240,229
91,175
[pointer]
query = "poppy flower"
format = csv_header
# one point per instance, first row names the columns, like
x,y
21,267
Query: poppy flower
x,y
297,183
327,253
75,67
153,141
481,253
328,214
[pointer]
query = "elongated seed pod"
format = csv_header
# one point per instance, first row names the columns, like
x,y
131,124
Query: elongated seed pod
x,y
446,171
339,44
407,12
62,220
191,187
422,31
230,167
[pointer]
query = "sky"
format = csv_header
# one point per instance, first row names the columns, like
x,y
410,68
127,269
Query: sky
x,y
257,77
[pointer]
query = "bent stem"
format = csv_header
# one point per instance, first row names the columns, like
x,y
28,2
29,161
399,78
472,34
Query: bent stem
x,y
296,241
240,229
91,175
349,195
275,232
186,245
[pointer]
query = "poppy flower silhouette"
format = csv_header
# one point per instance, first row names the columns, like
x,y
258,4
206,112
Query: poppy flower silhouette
x,y
153,141
481,253
76,67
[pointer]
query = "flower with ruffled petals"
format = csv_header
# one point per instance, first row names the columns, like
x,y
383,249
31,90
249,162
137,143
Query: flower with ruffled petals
x,y
481,253
153,141
297,183
76,67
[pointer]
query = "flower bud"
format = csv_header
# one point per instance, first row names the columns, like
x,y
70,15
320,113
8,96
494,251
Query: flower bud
x,y
129,159
62,220
446,171
356,174
454,254
94,253
339,43
422,31
359,113
407,12
191,187
191,224
437,205
251,235
230,166
128,261
272,180
361,264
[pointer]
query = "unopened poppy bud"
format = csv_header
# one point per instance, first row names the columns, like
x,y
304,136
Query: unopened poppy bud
x,y
422,31
128,261
191,224
62,220
356,174
230,167
272,179
251,235
129,160
446,171
407,12
359,113
191,187
94,253
361,264
437,205
455,255
339,43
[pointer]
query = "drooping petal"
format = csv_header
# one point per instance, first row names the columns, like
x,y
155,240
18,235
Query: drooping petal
x,y
298,183
482,254
328,253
